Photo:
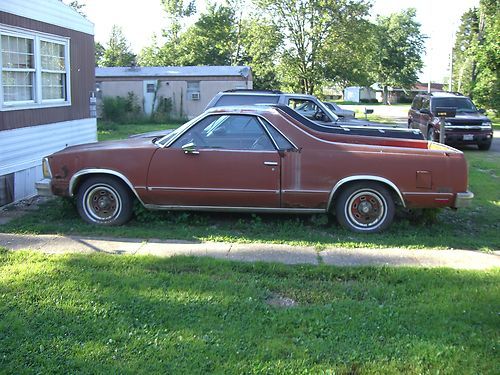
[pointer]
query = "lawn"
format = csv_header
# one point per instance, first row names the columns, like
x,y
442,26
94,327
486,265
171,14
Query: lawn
x,y
110,131
130,314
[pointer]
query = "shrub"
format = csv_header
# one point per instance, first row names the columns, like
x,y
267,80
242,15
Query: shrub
x,y
121,110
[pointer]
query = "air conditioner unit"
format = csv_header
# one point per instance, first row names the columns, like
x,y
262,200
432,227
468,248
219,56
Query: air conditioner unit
x,y
195,96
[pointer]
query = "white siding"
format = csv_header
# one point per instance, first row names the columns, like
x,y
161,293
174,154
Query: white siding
x,y
24,148
49,11
24,182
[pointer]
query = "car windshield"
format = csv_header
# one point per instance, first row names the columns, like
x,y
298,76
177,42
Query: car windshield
x,y
461,104
164,140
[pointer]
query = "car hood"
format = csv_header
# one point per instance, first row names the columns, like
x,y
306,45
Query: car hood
x,y
153,134
470,116
129,144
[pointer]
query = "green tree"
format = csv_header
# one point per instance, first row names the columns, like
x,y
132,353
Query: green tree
x,y
486,90
76,5
211,40
476,55
260,42
99,53
117,52
176,11
307,26
399,50
464,56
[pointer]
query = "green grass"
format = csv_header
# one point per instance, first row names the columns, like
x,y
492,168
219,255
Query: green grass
x,y
111,131
130,314
473,228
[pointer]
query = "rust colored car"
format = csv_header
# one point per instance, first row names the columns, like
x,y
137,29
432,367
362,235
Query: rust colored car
x,y
260,159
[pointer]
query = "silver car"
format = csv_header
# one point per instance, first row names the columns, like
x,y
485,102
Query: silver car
x,y
335,108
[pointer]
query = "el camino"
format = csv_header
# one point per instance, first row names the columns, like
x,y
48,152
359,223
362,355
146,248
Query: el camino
x,y
260,159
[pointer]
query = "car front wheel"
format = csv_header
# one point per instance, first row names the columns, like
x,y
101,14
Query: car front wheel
x,y
365,208
484,146
104,200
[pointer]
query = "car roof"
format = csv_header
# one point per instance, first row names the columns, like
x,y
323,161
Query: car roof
x,y
444,94
264,92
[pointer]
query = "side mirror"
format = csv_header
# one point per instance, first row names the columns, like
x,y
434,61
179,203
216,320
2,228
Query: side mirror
x,y
482,111
190,148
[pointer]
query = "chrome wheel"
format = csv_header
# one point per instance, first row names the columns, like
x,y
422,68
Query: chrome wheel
x,y
365,207
104,200
102,203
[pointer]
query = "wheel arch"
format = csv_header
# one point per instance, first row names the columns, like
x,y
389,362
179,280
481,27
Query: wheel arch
x,y
346,181
80,176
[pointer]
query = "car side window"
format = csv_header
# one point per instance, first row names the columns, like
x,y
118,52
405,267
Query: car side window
x,y
308,109
229,132
425,103
417,103
282,143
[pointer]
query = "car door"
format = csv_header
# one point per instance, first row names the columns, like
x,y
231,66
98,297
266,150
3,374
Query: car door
x,y
221,161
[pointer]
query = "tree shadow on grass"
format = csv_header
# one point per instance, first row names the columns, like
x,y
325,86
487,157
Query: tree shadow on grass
x,y
124,314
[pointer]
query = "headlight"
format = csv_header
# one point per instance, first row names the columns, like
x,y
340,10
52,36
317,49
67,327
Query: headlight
x,y
46,168
486,124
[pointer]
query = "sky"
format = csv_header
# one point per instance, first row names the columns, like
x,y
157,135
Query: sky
x,y
140,20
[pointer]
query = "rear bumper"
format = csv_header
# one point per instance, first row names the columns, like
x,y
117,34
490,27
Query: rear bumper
x,y
463,199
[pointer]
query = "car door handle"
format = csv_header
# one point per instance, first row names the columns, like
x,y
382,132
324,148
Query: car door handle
x,y
273,163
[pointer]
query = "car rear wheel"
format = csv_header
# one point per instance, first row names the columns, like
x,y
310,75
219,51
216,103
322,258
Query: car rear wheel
x,y
366,207
484,146
104,200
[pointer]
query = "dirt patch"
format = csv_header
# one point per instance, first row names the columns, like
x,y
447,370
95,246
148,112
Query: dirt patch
x,y
281,301
17,209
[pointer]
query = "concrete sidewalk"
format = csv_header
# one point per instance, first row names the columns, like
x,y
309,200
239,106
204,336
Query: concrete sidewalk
x,y
53,244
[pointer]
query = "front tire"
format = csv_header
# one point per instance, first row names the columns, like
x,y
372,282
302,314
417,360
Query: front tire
x,y
365,207
484,146
104,200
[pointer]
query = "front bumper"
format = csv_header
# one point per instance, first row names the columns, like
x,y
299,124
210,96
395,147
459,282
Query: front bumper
x,y
43,187
463,199
467,137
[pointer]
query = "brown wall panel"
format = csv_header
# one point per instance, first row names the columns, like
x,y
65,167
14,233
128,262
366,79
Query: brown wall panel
x,y
82,75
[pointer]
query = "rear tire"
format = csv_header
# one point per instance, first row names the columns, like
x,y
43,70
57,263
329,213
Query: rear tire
x,y
104,200
365,207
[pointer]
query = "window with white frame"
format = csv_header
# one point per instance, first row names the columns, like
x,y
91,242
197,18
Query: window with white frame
x,y
35,70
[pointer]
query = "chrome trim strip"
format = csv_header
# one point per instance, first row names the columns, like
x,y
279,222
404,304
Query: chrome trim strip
x,y
306,191
173,188
236,209
426,193
272,163
365,178
83,172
